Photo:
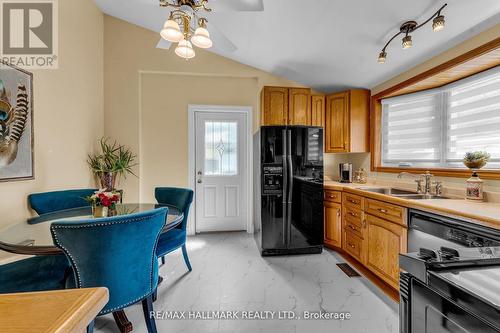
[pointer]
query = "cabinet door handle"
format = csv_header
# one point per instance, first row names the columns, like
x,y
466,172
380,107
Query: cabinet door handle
x,y
338,213
353,228
382,210
353,201
353,214
350,245
364,223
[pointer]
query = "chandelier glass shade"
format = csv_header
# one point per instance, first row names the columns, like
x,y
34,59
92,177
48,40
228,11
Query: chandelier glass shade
x,y
201,38
409,27
185,50
172,32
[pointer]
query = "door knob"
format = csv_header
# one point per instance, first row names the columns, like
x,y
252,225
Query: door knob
x,y
199,181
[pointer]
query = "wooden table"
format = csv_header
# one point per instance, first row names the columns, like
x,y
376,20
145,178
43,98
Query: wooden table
x,y
59,311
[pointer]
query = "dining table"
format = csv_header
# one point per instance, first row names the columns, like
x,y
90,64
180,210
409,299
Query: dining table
x,y
32,236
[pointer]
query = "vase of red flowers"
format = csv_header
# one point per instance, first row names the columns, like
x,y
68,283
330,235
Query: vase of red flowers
x,y
104,203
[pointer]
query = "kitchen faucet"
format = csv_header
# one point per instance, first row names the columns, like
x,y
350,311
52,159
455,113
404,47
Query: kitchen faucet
x,y
425,177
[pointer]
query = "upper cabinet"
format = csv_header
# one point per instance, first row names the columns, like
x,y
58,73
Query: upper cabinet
x,y
286,106
274,106
318,110
347,122
299,106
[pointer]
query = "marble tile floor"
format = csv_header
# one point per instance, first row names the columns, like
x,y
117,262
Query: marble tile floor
x,y
230,275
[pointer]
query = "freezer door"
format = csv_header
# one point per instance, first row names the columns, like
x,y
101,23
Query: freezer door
x,y
274,185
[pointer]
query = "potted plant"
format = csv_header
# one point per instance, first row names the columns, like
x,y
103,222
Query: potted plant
x,y
113,160
103,203
475,161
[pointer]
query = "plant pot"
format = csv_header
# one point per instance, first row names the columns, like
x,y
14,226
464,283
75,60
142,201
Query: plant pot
x,y
99,211
475,164
108,181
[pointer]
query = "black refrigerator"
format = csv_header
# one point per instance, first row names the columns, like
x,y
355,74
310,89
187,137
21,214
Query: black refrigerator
x,y
289,189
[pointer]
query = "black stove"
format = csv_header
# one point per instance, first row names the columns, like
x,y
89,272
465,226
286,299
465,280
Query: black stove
x,y
450,290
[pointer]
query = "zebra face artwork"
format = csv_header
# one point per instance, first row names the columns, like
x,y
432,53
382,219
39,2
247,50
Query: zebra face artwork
x,y
13,118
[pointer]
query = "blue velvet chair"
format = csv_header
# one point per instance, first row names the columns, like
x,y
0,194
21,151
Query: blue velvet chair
x,y
118,253
37,273
49,202
180,198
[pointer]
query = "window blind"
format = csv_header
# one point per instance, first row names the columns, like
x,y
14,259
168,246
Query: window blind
x,y
474,118
412,129
437,127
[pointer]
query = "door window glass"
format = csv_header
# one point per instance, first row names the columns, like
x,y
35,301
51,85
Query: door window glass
x,y
221,148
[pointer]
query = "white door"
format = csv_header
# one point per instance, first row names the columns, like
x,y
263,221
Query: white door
x,y
221,171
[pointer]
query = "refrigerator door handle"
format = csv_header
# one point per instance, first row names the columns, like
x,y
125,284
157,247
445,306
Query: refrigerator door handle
x,y
290,185
285,187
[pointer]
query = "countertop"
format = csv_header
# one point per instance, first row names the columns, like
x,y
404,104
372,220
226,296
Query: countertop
x,y
61,311
483,213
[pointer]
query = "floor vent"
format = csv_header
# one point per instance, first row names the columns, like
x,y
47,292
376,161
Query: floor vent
x,y
348,270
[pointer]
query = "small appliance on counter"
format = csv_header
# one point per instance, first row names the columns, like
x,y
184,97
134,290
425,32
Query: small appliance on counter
x,y
450,290
345,172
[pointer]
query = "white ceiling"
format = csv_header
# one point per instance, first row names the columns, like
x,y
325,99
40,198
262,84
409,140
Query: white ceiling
x,y
328,44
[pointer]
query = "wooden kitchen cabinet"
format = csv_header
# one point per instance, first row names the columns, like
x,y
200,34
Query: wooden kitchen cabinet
x,y
274,105
333,223
286,106
385,240
299,106
347,122
318,110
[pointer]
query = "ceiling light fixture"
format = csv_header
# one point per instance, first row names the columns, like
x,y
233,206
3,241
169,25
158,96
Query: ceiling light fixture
x,y
185,12
409,27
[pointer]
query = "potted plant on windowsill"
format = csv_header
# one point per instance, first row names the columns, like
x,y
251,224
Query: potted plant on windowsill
x,y
113,160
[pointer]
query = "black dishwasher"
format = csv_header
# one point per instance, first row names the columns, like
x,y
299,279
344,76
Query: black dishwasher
x,y
432,231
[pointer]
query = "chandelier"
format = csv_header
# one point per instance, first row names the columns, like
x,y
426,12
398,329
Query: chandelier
x,y
178,29
409,27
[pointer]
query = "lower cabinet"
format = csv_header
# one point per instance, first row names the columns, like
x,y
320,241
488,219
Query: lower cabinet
x,y
384,242
333,223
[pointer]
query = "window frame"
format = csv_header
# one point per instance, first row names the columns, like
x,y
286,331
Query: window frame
x,y
477,60
442,95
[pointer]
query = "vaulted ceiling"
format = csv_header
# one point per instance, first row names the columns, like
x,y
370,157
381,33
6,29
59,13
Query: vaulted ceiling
x,y
326,44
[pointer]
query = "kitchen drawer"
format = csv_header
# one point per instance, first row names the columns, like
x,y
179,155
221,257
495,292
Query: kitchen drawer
x,y
353,213
353,200
353,245
386,211
354,227
333,196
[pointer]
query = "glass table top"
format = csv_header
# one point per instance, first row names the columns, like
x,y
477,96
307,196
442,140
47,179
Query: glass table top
x,y
26,237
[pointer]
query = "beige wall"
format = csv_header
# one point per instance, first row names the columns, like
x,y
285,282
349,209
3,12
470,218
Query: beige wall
x,y
147,92
363,160
68,110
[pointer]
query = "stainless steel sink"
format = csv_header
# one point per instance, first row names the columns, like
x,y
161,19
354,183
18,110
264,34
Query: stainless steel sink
x,y
388,191
404,194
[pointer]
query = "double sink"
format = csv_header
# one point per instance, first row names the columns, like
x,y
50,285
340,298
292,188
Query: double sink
x,y
403,194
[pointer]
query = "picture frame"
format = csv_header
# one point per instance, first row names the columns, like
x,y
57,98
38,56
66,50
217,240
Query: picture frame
x,y
17,158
